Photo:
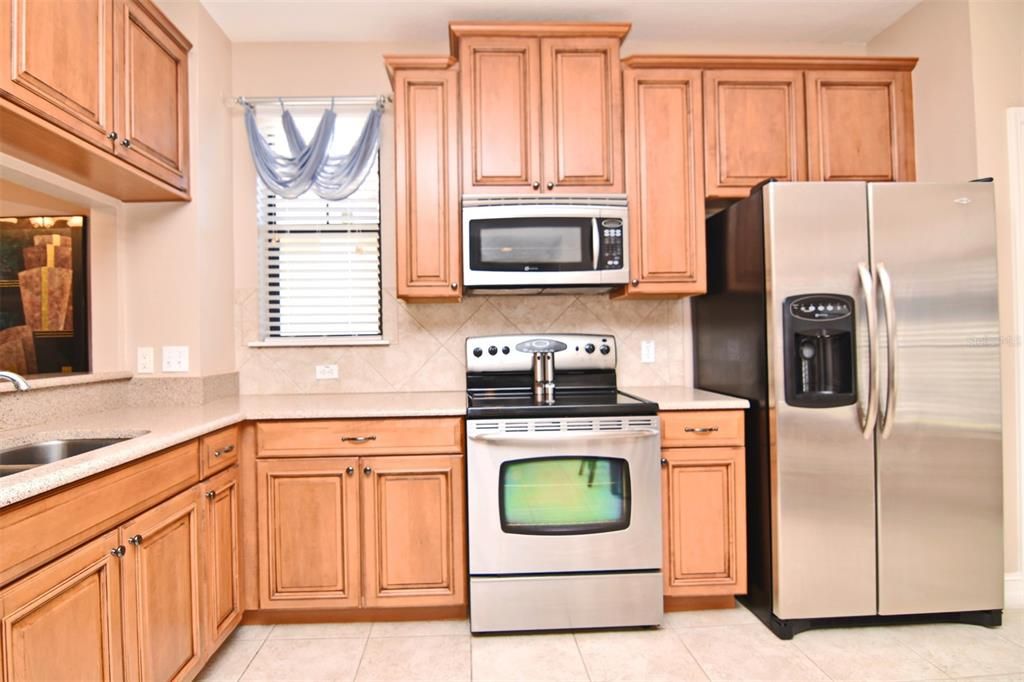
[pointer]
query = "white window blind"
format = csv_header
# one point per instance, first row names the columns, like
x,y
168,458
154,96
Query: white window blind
x,y
319,260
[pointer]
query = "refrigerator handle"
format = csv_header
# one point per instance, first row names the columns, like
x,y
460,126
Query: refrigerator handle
x,y
869,415
886,420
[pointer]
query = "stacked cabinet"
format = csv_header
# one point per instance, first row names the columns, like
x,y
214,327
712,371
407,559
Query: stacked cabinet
x,y
97,90
386,501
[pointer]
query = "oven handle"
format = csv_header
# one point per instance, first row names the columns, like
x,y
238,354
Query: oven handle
x,y
536,437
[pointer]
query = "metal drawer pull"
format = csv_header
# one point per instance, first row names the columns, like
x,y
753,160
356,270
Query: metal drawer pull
x,y
135,540
225,450
700,429
357,439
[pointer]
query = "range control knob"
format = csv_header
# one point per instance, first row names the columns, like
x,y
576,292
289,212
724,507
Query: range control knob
x,y
589,348
493,350
478,352
504,350
605,350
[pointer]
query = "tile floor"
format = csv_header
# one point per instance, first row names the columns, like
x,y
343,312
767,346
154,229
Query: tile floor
x,y
718,645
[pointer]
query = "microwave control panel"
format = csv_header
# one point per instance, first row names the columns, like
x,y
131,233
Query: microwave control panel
x,y
610,239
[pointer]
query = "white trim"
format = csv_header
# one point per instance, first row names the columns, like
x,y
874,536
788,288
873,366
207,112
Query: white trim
x,y
1015,152
319,341
1013,594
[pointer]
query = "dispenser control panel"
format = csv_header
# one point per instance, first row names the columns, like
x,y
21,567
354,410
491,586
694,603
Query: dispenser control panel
x,y
820,307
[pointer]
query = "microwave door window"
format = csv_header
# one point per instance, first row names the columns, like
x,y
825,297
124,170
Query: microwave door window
x,y
515,245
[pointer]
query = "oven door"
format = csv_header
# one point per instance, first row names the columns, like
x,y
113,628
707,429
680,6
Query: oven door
x,y
543,245
564,495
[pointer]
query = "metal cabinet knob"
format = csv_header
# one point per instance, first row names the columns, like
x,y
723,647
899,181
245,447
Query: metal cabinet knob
x,y
350,470
217,453
357,439
367,470
551,185
118,551
635,282
211,494
112,135
135,540
664,461
536,184
126,143
455,285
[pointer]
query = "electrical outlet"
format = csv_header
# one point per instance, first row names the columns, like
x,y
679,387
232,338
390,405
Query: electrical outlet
x,y
647,351
326,372
145,363
174,358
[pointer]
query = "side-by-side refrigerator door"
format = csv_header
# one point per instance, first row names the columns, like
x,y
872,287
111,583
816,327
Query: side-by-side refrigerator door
x,y
939,445
823,475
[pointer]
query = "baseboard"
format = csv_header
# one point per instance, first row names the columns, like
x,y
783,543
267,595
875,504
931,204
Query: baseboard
x,y
1014,592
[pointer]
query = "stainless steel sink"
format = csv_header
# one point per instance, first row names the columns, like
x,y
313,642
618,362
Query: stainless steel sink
x,y
22,457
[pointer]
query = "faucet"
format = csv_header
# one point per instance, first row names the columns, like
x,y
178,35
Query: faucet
x,y
16,379
544,377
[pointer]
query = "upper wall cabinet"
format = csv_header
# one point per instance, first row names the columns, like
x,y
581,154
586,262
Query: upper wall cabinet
x,y
860,125
541,107
97,91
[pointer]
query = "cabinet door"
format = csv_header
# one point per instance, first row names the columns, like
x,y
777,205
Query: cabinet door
x,y
500,95
664,177
414,530
63,622
161,590
427,185
703,493
860,125
754,129
151,98
309,533
221,558
56,60
581,96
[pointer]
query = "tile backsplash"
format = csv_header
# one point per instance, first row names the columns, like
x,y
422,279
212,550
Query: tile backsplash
x,y
427,342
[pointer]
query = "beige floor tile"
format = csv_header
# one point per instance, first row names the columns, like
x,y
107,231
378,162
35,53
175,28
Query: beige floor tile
x,y
1013,626
963,650
864,654
640,655
231,660
257,632
686,619
419,628
537,658
747,652
992,678
320,631
306,659
411,659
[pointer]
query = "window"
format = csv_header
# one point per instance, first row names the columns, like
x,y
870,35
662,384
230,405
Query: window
x,y
319,260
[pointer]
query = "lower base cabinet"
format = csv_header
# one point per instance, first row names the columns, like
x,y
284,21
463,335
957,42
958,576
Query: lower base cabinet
x,y
63,622
222,597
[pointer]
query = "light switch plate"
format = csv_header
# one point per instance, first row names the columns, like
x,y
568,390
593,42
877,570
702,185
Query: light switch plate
x,y
145,364
175,358
647,351
326,372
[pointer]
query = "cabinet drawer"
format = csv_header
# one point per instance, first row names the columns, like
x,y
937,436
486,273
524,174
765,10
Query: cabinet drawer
x,y
219,450
710,428
412,436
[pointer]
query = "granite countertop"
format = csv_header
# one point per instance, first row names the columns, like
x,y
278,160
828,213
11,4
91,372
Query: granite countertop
x,y
151,429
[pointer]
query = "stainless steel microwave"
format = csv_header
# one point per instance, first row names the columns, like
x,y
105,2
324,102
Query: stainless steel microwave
x,y
544,242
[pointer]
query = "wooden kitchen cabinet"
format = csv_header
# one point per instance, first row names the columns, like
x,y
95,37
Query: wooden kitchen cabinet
x,y
221,557
63,622
308,519
860,125
413,530
703,493
427,188
754,129
664,175
541,107
161,583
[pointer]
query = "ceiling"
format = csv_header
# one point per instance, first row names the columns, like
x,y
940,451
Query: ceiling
x,y
677,21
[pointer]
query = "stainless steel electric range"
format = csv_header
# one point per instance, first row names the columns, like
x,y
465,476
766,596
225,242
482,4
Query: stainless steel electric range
x,y
564,487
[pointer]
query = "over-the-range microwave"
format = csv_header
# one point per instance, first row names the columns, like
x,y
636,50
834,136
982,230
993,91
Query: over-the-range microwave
x,y
522,244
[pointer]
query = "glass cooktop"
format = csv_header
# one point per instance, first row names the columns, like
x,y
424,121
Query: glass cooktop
x,y
518,403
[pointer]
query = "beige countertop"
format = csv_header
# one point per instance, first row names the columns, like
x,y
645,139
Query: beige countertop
x,y
151,429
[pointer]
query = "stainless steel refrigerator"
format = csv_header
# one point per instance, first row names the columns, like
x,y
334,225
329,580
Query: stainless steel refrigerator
x,y
861,321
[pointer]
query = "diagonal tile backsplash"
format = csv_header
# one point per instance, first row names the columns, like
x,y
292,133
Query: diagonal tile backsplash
x,y
427,342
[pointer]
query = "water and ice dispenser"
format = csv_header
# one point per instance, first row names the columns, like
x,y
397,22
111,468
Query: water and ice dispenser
x,y
820,350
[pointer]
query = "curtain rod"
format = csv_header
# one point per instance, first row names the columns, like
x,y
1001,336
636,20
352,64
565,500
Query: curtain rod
x,y
379,100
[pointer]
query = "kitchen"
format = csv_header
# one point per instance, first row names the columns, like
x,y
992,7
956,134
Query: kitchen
x,y
343,537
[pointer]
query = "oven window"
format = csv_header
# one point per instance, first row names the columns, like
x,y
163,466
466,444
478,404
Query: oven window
x,y
564,495
531,245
